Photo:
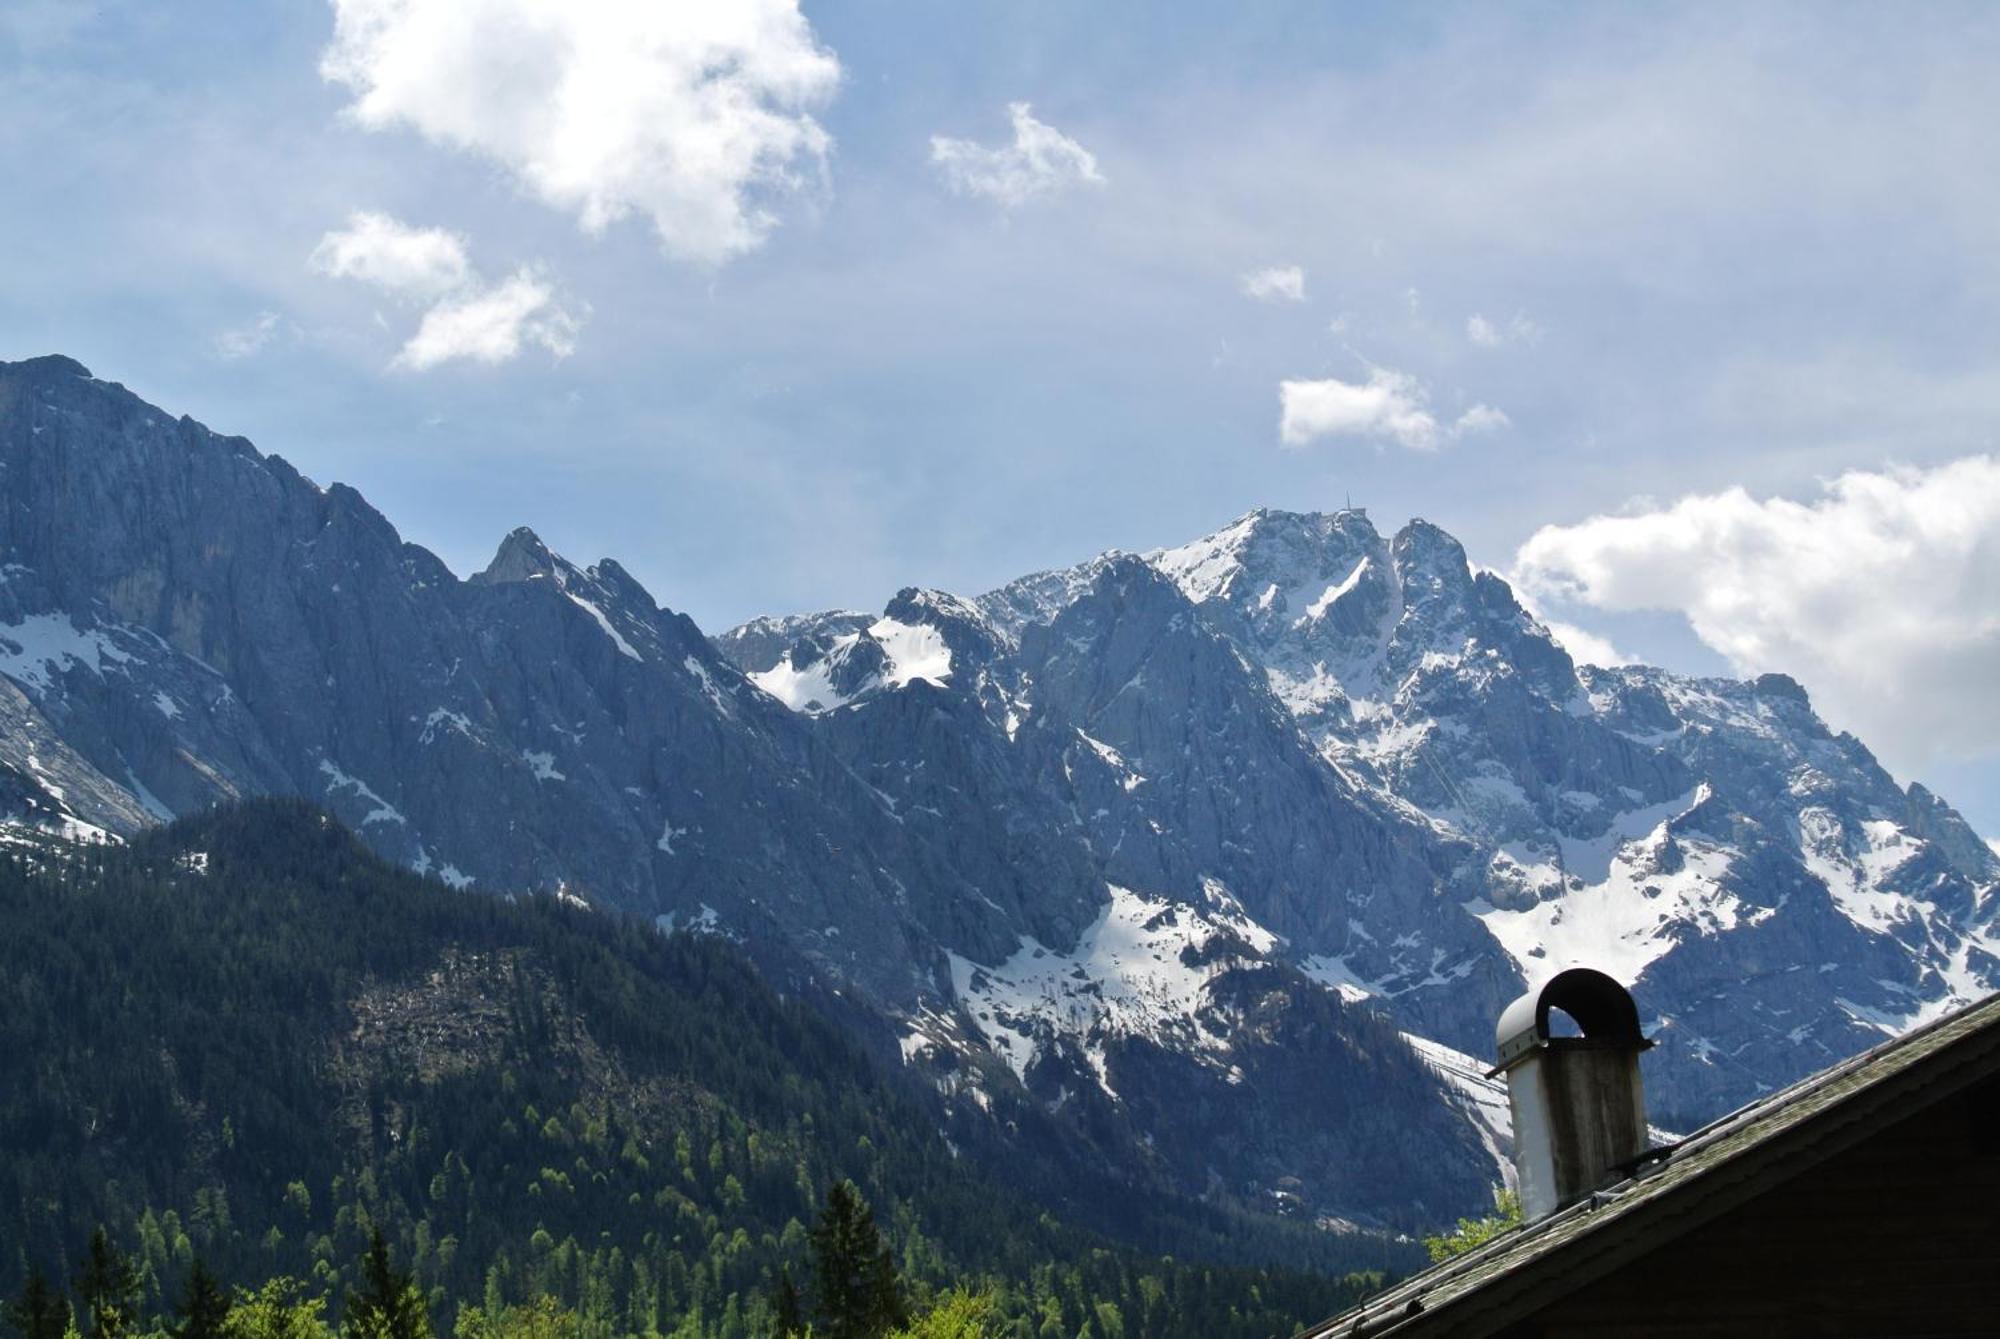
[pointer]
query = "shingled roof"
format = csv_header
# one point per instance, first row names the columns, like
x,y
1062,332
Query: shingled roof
x,y
1678,1188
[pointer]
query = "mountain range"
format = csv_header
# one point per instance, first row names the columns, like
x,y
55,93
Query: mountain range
x,y
1210,866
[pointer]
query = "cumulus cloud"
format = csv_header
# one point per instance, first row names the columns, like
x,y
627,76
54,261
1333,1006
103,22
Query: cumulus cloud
x,y
464,316
1585,646
491,325
1390,406
1041,160
1480,418
1280,283
694,115
249,339
1878,593
1492,335
376,249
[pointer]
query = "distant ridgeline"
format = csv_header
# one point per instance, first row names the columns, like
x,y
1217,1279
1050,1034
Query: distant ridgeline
x,y
247,1038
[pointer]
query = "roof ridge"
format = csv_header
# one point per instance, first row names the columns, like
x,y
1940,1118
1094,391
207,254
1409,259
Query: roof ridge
x,y
1407,1300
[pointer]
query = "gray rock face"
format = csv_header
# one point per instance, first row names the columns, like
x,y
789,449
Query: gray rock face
x,y
1167,847
197,622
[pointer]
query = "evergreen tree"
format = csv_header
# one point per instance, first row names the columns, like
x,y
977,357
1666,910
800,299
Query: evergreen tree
x,y
1472,1233
204,1306
108,1287
857,1295
787,1309
41,1311
388,1305
280,1309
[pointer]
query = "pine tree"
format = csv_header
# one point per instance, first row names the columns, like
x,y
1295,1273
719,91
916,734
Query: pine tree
x,y
108,1287
204,1307
41,1311
857,1296
280,1309
788,1310
388,1305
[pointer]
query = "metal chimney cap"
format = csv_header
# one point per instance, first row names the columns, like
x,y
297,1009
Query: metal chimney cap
x,y
1601,1007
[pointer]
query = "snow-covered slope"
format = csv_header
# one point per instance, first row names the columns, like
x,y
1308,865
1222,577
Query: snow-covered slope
x,y
1397,770
1776,897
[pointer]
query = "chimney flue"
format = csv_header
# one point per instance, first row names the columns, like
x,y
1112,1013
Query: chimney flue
x,y
1579,1106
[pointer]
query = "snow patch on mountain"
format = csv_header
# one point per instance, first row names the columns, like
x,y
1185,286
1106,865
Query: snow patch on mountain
x,y
1653,892
1142,969
443,718
41,647
1328,598
543,765
1481,1098
818,673
809,687
625,648
1332,971
915,651
338,780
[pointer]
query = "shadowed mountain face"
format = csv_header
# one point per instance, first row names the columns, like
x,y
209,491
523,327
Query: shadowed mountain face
x,y
195,622
1142,842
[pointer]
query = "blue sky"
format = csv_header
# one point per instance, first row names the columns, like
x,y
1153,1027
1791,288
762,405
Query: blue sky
x,y
1686,316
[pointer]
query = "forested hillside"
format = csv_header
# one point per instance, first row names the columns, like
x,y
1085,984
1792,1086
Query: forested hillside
x,y
247,1038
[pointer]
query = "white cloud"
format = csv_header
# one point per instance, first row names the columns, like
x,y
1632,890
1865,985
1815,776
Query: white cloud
x,y
1280,283
465,317
248,339
490,325
1585,646
691,114
1480,418
1040,160
376,249
1489,335
1390,406
1878,594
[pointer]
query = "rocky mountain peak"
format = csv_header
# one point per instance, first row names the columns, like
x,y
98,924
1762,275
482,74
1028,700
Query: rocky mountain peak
x,y
1278,560
1782,687
1127,589
522,557
972,641
50,365
1431,564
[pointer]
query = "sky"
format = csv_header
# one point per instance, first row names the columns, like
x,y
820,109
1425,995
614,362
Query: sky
x,y
1683,318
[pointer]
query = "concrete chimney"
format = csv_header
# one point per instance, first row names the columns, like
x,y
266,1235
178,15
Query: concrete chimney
x,y
1579,1106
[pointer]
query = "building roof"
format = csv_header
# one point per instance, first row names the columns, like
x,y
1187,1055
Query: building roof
x,y
1678,1188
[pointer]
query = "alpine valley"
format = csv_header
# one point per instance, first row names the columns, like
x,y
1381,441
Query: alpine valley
x,y
1201,873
